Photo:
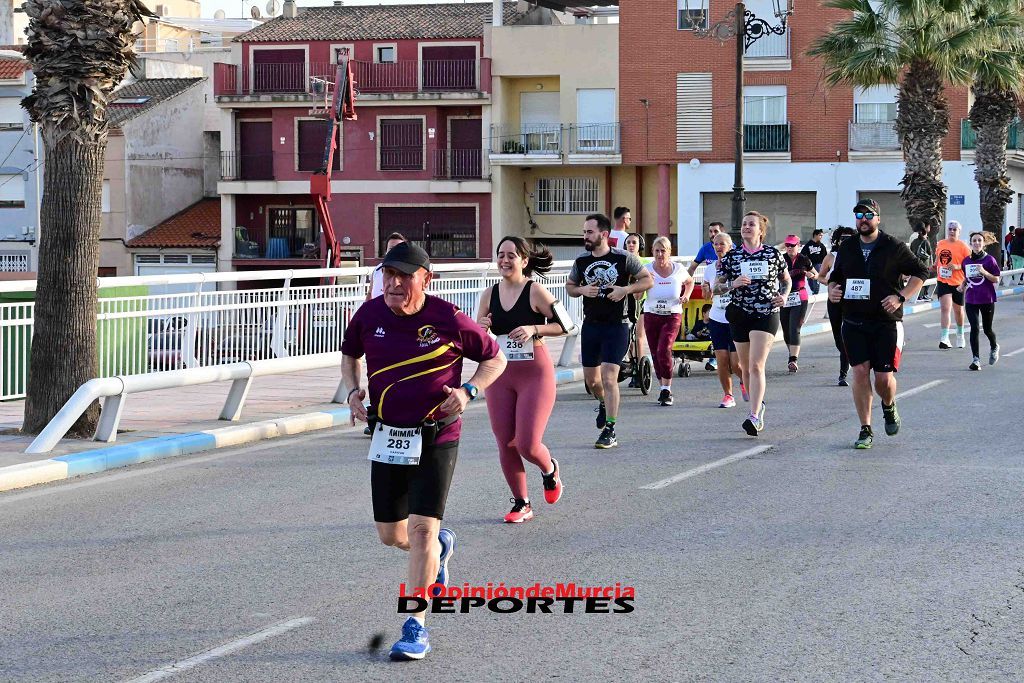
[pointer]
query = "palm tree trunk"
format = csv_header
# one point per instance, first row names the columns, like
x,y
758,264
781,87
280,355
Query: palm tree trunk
x,y
64,355
991,115
922,120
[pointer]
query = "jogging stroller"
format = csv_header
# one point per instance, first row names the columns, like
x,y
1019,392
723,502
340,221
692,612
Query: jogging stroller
x,y
634,365
685,350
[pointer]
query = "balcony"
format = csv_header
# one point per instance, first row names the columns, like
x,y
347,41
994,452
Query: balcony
x,y
594,138
458,164
875,136
437,77
543,139
968,138
771,52
766,138
238,166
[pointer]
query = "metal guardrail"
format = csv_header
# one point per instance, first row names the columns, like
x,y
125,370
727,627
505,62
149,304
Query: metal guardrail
x,y
969,138
874,137
528,138
769,46
766,137
459,164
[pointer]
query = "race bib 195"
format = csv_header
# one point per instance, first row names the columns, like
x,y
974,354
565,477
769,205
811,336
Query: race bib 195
x,y
396,445
755,270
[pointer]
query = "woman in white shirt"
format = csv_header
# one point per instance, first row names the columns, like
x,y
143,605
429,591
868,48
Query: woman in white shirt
x,y
663,312
721,338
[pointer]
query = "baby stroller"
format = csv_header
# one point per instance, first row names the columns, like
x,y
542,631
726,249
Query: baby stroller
x,y
685,350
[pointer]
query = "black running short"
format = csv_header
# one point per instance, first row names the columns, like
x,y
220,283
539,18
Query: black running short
x,y
603,343
741,324
942,288
402,490
879,342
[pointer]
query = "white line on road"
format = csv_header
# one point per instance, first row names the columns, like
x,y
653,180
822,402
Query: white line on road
x,y
930,325
222,650
705,468
924,387
1013,353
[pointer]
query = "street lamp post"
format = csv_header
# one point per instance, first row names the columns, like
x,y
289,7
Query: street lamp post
x,y
742,23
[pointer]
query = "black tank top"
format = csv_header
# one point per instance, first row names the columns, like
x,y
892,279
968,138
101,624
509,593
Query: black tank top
x,y
503,322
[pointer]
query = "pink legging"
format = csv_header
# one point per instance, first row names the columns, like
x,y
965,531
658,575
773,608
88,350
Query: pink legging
x,y
661,331
519,404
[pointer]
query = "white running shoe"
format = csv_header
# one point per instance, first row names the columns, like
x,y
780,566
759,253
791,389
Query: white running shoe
x,y
961,341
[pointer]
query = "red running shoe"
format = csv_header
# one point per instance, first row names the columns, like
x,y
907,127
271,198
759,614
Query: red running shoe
x,y
552,485
521,512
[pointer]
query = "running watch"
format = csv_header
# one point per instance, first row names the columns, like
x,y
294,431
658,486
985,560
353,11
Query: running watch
x,y
471,390
902,298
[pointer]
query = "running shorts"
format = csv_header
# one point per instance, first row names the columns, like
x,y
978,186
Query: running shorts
x,y
879,342
941,288
741,324
402,490
603,343
721,337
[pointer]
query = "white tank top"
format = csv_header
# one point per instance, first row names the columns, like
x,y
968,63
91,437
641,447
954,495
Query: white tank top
x,y
663,297
719,302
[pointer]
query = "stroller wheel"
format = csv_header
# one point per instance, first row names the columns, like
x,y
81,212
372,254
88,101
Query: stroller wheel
x,y
646,375
684,369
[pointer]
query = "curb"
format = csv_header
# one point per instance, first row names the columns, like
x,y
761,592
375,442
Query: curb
x,y
158,448
107,458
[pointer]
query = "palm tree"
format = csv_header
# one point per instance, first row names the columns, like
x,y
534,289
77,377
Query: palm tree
x,y
995,106
80,51
921,45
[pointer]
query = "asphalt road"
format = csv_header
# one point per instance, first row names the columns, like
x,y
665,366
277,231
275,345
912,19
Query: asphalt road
x,y
808,561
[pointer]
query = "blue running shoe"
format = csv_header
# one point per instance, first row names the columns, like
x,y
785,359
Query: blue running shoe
x,y
447,539
414,644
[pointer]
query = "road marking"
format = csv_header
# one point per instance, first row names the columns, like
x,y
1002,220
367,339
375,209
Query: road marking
x,y
222,650
931,325
917,390
1013,353
705,468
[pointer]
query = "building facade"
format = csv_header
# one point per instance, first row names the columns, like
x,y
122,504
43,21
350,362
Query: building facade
x,y
21,172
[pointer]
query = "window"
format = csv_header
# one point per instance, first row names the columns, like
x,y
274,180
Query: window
x,y
443,231
690,18
693,112
790,213
567,195
401,144
12,191
290,229
14,262
105,197
874,105
11,114
595,120
311,140
764,105
385,54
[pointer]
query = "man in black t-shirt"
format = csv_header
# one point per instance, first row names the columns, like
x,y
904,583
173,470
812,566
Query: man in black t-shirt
x,y
602,277
815,250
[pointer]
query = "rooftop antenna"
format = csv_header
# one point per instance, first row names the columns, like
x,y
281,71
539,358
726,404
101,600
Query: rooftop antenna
x,y
219,15
254,12
273,7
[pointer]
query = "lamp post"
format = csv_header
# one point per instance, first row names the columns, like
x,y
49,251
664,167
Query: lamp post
x,y
742,23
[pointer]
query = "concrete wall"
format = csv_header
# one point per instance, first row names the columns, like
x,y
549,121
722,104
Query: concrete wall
x,y
112,251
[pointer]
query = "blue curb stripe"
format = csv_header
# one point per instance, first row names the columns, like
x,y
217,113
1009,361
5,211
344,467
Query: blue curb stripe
x,y
102,459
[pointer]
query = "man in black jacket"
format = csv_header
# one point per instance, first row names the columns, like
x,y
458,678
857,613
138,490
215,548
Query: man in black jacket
x,y
922,249
866,278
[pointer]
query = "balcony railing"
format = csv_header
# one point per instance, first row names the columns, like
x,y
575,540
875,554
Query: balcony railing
x,y
594,138
458,164
528,138
238,166
770,46
874,137
411,76
969,140
766,137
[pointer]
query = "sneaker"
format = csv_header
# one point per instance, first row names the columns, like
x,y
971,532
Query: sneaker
x,y
793,367
553,484
744,392
607,438
601,415
993,357
711,365
368,431
892,419
755,423
841,382
665,397
961,341
414,644
865,439
944,342
521,512
727,402
447,538
976,365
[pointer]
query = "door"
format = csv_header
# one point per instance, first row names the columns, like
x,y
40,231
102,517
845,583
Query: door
x,y
450,67
255,150
540,122
465,149
279,71
444,231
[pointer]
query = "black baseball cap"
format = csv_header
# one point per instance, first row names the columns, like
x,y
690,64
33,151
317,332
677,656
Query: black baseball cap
x,y
865,205
406,257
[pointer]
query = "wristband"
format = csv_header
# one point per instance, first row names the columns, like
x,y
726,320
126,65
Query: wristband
x,y
349,397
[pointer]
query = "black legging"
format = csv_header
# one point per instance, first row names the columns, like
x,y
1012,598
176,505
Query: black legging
x,y
986,311
835,319
792,319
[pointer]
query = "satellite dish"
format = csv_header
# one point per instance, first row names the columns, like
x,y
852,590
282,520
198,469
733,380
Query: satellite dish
x,y
255,12
273,6
219,15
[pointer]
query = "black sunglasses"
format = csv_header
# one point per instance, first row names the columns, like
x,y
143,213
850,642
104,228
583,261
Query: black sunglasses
x,y
859,215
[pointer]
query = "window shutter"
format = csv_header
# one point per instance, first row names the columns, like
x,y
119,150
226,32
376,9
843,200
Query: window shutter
x,y
693,112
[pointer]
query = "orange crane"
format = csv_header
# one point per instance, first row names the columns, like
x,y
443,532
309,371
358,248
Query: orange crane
x,y
342,108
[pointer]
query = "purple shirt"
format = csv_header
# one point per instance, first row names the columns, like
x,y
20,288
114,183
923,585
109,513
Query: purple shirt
x,y
979,289
410,359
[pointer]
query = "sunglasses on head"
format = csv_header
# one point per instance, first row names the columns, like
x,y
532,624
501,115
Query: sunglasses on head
x,y
861,214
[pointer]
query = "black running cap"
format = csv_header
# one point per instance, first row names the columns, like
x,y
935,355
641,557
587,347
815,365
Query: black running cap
x,y
867,205
406,257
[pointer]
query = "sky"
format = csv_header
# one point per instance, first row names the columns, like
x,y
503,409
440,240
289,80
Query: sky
x,y
241,8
